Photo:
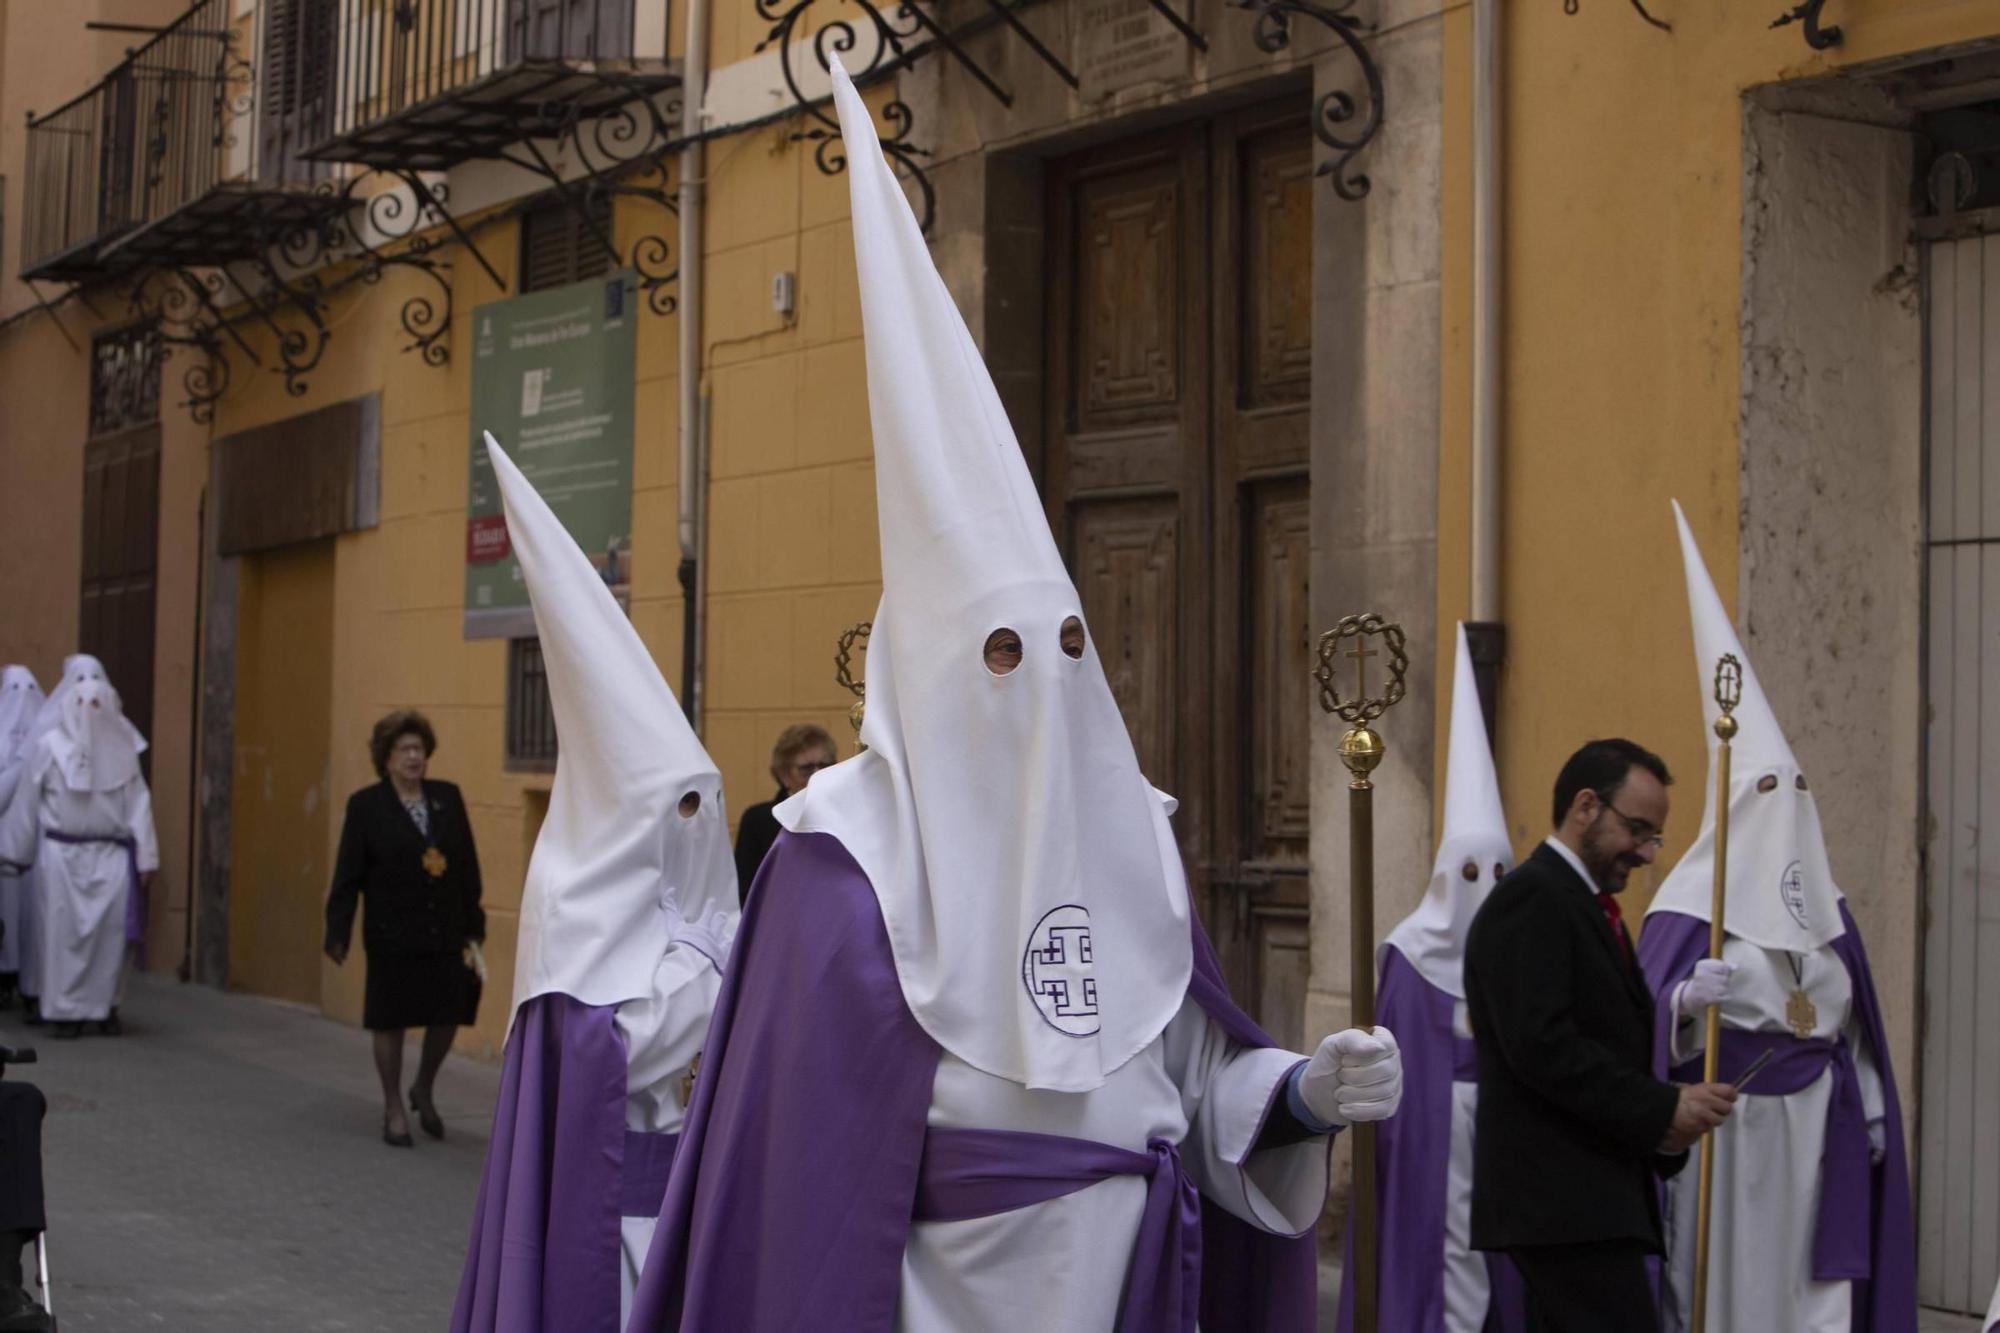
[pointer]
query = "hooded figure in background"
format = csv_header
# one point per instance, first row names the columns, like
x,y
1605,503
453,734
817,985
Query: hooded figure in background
x,y
1432,1281
626,920
1812,1223
82,818
20,703
974,1067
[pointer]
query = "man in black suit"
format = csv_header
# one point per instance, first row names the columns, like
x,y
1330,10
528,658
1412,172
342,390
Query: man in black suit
x,y
1572,1128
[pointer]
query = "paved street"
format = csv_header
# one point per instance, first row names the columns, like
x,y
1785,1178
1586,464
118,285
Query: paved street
x,y
219,1168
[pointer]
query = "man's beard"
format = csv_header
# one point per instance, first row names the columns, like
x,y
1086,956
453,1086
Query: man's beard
x,y
1609,869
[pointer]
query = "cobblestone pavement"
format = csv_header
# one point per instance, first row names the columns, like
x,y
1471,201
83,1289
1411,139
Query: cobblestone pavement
x,y
220,1168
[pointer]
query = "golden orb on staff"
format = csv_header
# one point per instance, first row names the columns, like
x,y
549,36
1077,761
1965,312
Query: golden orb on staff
x,y
1362,750
1728,693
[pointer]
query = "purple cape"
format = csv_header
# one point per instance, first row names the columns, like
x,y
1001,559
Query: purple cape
x,y
560,1169
1412,1153
790,1205
1886,1300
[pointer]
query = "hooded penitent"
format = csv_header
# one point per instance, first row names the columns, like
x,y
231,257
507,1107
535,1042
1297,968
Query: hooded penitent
x,y
1473,853
1810,1169
1781,893
1030,882
77,669
20,704
94,747
627,916
20,701
618,873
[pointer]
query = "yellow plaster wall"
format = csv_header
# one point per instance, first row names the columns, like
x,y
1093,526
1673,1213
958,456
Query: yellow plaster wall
x,y
1622,244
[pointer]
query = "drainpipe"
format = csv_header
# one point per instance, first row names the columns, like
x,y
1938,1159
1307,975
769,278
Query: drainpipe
x,y
1486,635
693,435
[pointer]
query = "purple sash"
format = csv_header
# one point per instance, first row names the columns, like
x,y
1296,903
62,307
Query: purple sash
x,y
969,1173
135,898
1840,1235
1464,1060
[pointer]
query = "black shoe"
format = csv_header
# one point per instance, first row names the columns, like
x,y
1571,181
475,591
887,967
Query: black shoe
x,y
20,1314
31,1011
396,1140
66,1031
111,1027
432,1122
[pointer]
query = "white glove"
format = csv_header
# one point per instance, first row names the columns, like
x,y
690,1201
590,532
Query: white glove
x,y
1878,1141
1354,1076
1709,985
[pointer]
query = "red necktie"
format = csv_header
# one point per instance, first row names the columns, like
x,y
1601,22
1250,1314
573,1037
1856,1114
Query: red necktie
x,y
1615,918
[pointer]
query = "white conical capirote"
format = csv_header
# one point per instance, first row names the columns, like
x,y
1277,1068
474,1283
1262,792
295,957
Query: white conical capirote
x,y
77,668
1780,893
618,873
1027,875
20,705
91,742
1473,851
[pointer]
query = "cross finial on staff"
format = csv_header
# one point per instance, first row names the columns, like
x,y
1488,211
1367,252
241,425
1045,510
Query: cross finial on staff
x,y
1361,652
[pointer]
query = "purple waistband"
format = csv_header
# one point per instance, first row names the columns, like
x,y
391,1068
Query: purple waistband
x,y
1464,1060
1840,1234
135,896
969,1173
649,1159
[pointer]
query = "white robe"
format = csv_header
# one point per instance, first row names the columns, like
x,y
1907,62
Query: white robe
x,y
1767,1161
1992,1324
83,887
1467,1285
663,1034
1060,1266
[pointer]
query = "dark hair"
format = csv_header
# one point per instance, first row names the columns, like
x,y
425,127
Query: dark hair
x,y
1601,766
403,722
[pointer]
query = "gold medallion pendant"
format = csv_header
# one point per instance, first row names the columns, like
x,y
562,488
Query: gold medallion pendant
x,y
1802,1014
434,862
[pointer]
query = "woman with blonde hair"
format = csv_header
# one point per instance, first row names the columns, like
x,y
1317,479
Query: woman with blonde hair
x,y
803,749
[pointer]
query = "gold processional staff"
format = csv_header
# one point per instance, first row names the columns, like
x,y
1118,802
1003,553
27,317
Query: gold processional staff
x,y
1361,750
1728,693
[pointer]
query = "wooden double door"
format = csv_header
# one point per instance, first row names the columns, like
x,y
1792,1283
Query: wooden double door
x,y
1175,470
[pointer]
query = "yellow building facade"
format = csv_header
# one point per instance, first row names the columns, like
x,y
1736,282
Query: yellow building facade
x,y
1706,261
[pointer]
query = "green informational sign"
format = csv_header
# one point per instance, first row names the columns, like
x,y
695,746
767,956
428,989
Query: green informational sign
x,y
552,379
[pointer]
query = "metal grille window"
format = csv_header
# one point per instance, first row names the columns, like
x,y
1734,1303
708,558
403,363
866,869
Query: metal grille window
x,y
531,717
124,379
564,242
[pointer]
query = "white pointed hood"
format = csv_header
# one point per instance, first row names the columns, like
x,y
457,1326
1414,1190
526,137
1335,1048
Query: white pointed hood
x,y
1027,875
1474,851
617,873
91,740
1781,893
20,705
77,668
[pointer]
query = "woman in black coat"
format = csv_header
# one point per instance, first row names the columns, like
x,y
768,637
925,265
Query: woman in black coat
x,y
407,845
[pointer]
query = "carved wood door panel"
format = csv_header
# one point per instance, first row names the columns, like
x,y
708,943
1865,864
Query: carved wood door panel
x,y
121,517
1176,477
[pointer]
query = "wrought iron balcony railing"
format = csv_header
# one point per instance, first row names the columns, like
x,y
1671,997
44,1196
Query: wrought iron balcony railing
x,y
426,84
159,161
